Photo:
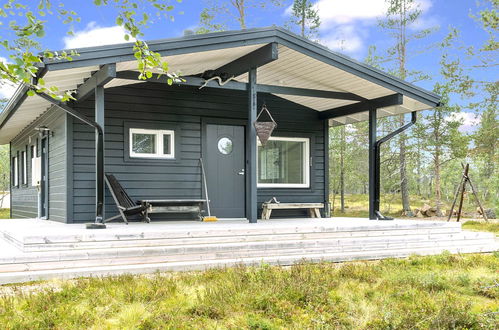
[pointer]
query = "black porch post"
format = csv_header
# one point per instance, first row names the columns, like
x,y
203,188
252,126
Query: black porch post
x,y
99,155
374,172
251,149
327,206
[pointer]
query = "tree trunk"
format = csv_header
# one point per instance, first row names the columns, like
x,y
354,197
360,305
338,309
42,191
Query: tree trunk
x,y
418,165
404,187
402,43
303,13
438,188
240,6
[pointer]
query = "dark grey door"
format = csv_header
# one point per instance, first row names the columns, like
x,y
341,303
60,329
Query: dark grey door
x,y
224,157
44,198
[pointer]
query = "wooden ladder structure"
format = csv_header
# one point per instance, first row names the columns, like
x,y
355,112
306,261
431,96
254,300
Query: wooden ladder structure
x,y
461,189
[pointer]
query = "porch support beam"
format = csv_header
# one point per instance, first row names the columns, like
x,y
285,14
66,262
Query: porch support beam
x,y
308,92
99,153
327,205
99,78
374,171
251,149
350,109
259,57
240,86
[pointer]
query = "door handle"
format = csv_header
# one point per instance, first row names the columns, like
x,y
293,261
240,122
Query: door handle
x,y
241,172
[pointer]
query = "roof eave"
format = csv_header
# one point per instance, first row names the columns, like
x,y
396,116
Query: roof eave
x,y
15,101
101,55
353,66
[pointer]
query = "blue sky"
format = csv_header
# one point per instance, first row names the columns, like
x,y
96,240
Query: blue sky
x,y
348,26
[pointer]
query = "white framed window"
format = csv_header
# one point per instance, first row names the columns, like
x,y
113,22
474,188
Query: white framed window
x,y
152,143
15,171
24,168
284,162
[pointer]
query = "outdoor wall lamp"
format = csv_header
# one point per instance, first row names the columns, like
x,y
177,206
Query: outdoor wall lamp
x,y
44,130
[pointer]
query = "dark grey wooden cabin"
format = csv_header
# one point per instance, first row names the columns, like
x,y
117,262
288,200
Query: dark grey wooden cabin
x,y
154,134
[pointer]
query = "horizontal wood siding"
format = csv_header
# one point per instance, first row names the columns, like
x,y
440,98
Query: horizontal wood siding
x,y
185,108
25,197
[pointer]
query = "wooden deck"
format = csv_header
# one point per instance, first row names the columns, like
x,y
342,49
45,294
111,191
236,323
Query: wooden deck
x,y
36,249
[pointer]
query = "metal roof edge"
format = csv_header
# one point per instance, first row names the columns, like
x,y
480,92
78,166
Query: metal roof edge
x,y
120,50
14,102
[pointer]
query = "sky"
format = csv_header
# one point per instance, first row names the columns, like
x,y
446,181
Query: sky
x,y
349,27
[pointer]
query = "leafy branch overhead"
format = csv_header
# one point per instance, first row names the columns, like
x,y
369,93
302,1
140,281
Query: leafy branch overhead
x,y
24,31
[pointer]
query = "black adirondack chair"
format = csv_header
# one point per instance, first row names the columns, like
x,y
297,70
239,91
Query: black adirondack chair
x,y
126,206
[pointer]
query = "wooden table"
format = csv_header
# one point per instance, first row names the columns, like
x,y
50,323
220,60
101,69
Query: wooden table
x,y
313,208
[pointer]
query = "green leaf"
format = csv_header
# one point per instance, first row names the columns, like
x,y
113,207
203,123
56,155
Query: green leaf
x,y
31,92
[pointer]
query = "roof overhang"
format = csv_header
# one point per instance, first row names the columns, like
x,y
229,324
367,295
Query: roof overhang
x,y
289,66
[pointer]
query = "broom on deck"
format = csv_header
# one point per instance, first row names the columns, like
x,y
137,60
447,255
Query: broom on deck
x,y
209,217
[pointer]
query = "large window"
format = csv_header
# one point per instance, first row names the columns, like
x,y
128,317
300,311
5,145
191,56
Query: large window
x,y
284,163
152,143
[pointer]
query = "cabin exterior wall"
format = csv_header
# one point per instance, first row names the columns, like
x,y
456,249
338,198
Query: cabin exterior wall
x,y
184,110
24,196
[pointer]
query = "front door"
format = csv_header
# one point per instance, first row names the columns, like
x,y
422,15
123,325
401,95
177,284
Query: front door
x,y
44,198
224,156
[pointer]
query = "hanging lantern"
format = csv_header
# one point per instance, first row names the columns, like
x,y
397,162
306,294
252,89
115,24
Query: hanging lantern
x,y
264,129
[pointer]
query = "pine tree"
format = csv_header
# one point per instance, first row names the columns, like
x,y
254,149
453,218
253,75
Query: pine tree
x,y
444,140
306,18
400,15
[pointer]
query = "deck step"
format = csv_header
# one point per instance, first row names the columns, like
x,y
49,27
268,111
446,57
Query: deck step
x,y
54,243
55,251
103,270
346,244
480,245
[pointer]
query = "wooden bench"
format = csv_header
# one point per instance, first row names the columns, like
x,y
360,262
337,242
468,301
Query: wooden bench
x,y
174,206
313,208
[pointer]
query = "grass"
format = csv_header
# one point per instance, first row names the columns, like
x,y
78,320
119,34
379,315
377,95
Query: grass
x,y
439,292
357,205
4,213
482,226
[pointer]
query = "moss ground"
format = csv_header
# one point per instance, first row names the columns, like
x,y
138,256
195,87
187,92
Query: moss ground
x,y
438,292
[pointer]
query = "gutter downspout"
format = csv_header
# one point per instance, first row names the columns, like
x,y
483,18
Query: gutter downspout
x,y
377,162
99,147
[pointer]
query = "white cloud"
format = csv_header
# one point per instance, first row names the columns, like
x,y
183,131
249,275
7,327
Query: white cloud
x,y
344,12
345,38
7,88
94,35
468,120
345,24
425,23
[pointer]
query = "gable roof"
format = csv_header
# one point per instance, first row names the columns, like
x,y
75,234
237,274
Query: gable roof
x,y
300,64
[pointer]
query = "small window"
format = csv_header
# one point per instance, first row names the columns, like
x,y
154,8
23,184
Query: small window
x,y
284,163
15,171
151,143
24,168
33,151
